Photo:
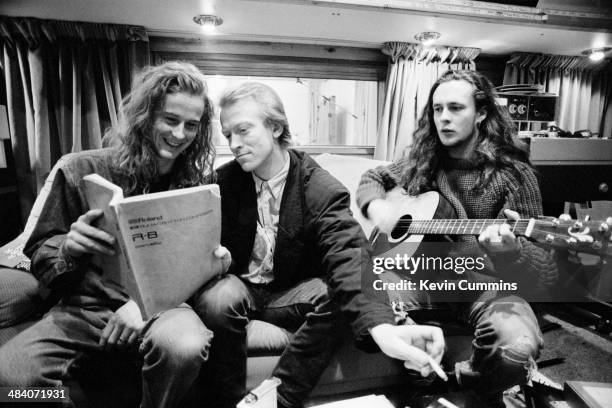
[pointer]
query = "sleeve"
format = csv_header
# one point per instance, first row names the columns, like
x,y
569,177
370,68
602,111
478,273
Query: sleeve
x,y
345,254
376,182
50,264
531,259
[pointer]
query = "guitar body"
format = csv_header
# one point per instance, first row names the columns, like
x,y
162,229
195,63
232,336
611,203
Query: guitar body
x,y
427,206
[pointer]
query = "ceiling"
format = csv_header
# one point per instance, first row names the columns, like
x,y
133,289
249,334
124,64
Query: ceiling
x,y
569,26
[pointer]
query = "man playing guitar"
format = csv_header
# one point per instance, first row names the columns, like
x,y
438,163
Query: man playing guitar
x,y
464,149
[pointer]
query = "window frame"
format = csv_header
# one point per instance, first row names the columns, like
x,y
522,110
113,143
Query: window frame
x,y
242,58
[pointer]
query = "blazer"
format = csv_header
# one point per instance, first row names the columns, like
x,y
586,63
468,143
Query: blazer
x,y
317,236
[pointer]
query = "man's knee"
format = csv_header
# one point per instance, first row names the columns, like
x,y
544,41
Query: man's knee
x,y
507,340
511,326
222,301
189,348
177,336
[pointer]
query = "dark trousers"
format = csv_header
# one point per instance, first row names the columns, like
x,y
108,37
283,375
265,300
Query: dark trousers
x,y
173,348
226,306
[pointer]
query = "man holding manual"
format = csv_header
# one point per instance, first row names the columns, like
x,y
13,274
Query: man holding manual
x,y
162,143
297,257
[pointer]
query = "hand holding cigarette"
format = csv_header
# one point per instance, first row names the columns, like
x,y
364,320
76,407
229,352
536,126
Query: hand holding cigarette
x,y
421,347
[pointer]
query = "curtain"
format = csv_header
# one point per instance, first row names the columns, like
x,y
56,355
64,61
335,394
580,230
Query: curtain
x,y
64,83
366,110
412,71
584,88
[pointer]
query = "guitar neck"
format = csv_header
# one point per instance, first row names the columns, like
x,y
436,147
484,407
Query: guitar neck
x,y
464,227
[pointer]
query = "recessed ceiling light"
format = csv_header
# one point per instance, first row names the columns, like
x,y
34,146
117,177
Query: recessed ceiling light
x,y
427,38
208,22
596,54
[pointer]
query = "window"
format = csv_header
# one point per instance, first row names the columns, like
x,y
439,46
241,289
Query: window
x,y
332,94
320,111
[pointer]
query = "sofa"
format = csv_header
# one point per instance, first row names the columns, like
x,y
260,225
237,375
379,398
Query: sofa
x,y
350,370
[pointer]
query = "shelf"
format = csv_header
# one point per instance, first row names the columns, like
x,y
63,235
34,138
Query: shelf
x,y
570,151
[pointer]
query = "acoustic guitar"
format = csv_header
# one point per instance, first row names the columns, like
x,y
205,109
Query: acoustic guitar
x,y
431,214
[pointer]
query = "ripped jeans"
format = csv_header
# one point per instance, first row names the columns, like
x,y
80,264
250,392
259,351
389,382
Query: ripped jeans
x,y
507,338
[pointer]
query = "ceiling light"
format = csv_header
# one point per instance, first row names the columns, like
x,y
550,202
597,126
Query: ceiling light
x,y
427,38
208,22
596,54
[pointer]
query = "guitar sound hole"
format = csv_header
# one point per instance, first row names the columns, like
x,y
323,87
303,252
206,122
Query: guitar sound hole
x,y
401,228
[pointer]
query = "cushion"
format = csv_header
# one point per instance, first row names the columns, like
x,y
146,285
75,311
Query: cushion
x,y
348,170
18,296
11,254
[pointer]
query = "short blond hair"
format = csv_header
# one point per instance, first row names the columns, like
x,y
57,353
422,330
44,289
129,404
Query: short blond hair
x,y
269,101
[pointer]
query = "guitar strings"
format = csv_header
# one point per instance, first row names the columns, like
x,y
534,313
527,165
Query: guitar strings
x,y
483,221
452,224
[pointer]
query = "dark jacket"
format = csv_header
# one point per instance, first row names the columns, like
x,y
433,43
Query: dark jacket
x,y
317,236
79,281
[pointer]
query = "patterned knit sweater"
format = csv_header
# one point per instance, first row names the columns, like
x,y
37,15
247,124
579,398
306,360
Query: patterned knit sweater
x,y
455,181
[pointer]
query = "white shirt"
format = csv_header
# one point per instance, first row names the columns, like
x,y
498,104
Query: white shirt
x,y
269,196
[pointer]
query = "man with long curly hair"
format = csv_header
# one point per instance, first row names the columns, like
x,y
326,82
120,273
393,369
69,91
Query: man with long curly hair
x,y
162,142
464,149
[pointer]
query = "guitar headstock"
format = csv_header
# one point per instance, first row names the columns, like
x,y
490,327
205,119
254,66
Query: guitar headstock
x,y
593,237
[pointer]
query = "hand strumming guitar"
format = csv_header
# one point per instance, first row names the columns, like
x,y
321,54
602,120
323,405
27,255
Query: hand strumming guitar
x,y
383,214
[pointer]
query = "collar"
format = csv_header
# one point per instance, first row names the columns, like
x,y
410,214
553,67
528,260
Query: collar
x,y
451,163
277,181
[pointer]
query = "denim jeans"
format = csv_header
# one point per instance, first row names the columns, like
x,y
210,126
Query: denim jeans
x,y
173,348
507,338
227,304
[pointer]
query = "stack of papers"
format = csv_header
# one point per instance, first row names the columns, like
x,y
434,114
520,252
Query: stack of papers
x,y
369,401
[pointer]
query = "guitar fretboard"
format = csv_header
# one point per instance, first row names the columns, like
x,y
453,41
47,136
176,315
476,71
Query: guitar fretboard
x,y
460,227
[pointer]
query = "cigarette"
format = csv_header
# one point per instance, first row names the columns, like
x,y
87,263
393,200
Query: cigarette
x,y
437,369
446,403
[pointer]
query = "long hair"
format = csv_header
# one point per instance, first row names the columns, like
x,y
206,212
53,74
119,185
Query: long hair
x,y
495,148
269,102
136,159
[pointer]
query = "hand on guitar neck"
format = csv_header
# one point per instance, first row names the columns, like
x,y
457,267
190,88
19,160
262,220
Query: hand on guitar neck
x,y
499,238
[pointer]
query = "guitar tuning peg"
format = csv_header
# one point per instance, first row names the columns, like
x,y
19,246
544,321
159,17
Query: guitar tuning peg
x,y
587,218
